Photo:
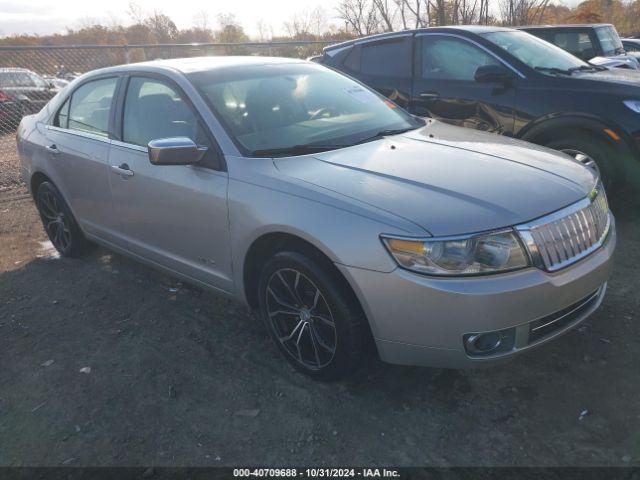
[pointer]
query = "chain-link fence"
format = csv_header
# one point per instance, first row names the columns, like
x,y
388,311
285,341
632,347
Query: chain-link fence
x,y
31,76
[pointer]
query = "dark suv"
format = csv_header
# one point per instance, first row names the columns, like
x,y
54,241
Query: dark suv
x,y
588,42
505,81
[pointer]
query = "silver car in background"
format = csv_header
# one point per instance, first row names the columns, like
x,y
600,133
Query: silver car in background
x,y
344,221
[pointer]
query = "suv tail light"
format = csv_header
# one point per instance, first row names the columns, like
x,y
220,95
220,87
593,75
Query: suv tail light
x,y
3,97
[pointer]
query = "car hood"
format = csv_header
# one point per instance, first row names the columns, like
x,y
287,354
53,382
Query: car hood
x,y
621,76
448,180
616,61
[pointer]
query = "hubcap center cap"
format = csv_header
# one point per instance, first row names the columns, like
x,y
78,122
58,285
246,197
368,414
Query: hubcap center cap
x,y
305,315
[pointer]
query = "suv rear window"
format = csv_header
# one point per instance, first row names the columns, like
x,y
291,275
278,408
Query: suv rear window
x,y
577,43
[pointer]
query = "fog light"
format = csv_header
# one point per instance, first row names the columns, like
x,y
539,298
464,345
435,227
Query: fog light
x,y
484,342
481,344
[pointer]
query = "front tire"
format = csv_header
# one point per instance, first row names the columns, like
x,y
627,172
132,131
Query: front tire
x,y
312,316
592,152
57,219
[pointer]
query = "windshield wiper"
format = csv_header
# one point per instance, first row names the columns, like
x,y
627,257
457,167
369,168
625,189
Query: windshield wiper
x,y
294,150
554,70
385,133
315,148
583,68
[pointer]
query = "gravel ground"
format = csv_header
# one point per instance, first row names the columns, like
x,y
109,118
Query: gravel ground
x,y
9,172
106,362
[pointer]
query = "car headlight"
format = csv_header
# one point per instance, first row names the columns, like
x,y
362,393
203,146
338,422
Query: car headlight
x,y
633,105
465,255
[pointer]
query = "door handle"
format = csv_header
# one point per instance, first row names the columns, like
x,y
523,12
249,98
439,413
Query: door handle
x,y
429,95
53,149
122,170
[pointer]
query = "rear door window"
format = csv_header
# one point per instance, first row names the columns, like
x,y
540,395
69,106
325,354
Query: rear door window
x,y
90,106
352,60
389,58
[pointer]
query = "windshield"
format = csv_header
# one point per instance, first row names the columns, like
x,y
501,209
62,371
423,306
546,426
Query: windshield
x,y
535,52
609,40
297,106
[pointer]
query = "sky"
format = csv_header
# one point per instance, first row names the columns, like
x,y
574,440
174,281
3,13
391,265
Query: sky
x,y
54,16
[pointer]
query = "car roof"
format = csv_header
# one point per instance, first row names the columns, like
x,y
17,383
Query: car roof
x,y
200,64
475,29
565,26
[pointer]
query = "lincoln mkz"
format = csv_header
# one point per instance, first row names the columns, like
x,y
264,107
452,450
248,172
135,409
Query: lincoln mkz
x,y
345,222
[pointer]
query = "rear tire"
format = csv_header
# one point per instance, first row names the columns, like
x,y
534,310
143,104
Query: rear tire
x,y
59,223
594,153
312,316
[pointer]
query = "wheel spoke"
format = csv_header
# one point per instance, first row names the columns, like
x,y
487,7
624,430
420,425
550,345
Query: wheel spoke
x,y
56,238
316,297
46,210
48,200
298,343
66,236
318,338
313,343
294,296
48,224
278,300
283,312
293,332
324,320
47,213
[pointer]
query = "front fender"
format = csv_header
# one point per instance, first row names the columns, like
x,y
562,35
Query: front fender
x,y
538,130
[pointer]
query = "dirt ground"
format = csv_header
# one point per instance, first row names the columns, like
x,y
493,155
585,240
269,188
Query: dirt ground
x,y
182,377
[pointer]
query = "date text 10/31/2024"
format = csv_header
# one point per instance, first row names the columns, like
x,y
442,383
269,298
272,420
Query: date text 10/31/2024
x,y
317,472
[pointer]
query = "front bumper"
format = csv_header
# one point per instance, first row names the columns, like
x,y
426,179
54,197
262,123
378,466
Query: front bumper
x,y
419,320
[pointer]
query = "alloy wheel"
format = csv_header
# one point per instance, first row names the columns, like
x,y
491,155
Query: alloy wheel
x,y
583,158
56,223
301,318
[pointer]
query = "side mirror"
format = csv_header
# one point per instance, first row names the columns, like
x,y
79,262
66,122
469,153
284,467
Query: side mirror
x,y
175,151
492,74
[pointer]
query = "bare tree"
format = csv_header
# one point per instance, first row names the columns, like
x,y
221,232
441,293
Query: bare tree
x,y
361,16
413,13
440,9
387,12
265,32
522,12
307,23
136,13
202,20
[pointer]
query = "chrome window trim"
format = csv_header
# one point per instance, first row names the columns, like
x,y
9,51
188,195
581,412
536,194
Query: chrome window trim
x,y
482,47
524,230
130,146
80,133
381,39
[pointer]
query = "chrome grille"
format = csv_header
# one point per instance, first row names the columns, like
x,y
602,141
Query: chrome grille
x,y
570,234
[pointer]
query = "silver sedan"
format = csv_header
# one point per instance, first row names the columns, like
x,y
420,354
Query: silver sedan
x,y
343,220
